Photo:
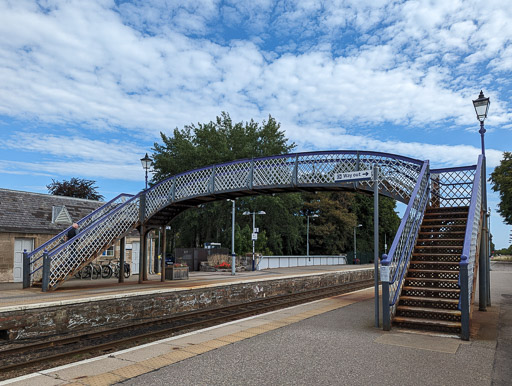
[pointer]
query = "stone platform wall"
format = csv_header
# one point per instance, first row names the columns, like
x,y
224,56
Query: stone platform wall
x,y
120,310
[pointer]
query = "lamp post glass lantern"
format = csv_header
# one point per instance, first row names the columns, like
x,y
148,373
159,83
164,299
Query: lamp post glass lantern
x,y
481,105
254,233
146,163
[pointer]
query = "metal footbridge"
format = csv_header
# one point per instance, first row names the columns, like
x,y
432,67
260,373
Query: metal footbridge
x,y
407,180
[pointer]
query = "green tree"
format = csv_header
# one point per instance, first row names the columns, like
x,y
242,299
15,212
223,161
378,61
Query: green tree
x,y
76,187
388,221
330,232
283,228
501,181
215,142
210,143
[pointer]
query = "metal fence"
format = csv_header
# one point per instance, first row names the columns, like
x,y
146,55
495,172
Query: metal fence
x,y
267,262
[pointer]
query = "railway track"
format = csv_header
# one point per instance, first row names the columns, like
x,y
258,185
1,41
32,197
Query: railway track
x,y
17,360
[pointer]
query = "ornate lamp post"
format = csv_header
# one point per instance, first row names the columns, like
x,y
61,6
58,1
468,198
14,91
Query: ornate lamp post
x,y
355,240
307,234
254,233
481,105
233,255
146,163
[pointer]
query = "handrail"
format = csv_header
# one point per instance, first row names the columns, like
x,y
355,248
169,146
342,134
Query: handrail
x,y
68,256
93,225
395,263
471,214
412,234
79,222
36,255
293,155
469,250
389,257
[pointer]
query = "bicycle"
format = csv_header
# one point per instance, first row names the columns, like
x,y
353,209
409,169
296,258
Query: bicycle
x,y
106,269
117,270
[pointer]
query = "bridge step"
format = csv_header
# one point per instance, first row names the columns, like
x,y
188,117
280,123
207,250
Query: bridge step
x,y
456,241
447,209
433,274
437,247
448,293
428,313
427,324
451,229
445,214
431,282
431,235
438,303
437,257
430,295
435,265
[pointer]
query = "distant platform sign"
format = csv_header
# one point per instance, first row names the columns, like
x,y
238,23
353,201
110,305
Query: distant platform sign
x,y
360,175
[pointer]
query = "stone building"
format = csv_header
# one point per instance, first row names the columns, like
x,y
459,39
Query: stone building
x,y
28,220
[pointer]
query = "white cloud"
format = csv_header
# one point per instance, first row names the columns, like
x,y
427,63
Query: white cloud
x,y
439,155
79,62
84,169
75,147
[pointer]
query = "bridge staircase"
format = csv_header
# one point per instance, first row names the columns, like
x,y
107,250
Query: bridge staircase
x,y
98,231
430,295
429,274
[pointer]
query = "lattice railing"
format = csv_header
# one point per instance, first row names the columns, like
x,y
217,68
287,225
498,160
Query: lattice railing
x,y
397,176
397,260
93,240
470,249
451,187
35,257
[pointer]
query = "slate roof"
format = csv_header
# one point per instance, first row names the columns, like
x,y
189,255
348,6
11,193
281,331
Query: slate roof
x,y
25,212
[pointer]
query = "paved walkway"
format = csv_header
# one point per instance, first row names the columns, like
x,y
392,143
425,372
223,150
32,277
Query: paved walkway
x,y
328,342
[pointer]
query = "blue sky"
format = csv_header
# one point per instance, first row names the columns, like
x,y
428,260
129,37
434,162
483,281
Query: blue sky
x,y
87,86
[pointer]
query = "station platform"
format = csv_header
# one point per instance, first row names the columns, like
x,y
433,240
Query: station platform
x,y
13,297
327,342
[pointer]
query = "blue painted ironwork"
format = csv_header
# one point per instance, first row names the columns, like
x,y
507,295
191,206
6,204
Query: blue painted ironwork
x,y
35,257
470,250
449,187
288,172
397,260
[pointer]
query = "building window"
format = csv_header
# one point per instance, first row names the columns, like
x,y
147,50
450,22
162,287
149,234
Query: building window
x,y
109,252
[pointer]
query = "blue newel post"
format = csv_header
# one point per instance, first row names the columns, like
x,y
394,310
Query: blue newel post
x,y
384,279
26,269
46,271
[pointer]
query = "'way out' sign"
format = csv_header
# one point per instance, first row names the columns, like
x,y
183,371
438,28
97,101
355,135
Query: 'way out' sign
x,y
360,175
